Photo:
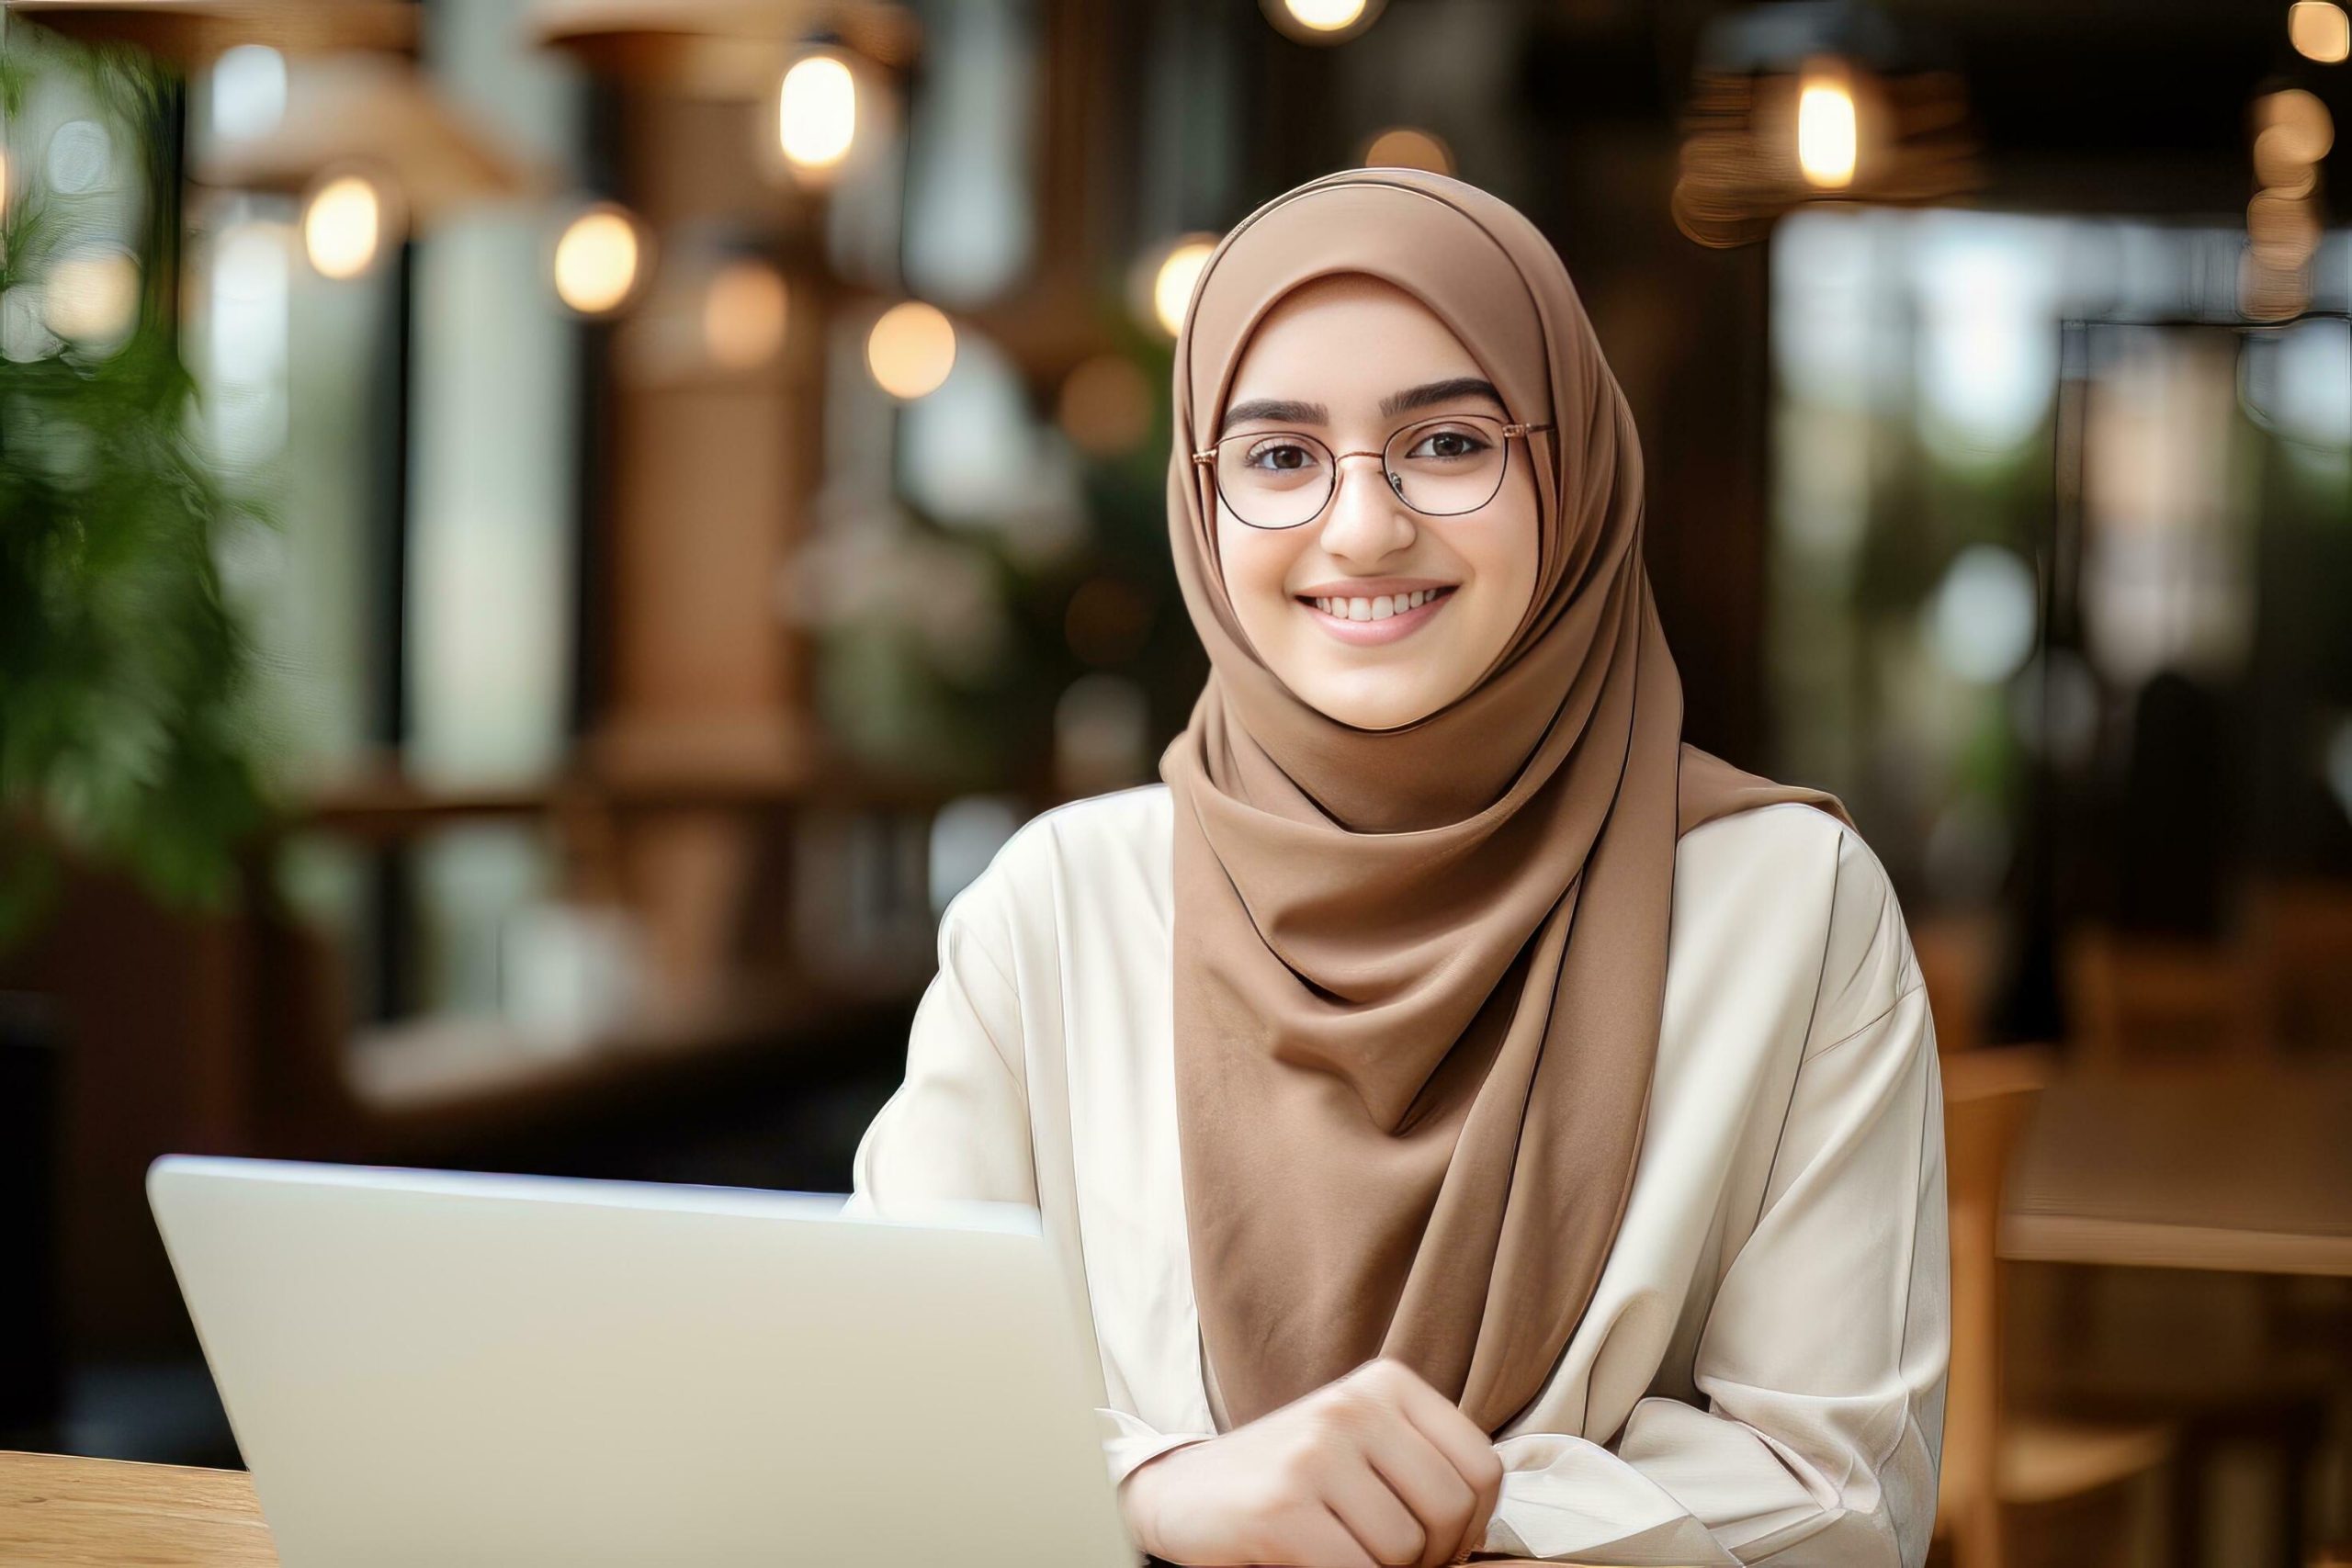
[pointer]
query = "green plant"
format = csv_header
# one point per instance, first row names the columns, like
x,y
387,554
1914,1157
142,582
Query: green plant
x,y
123,735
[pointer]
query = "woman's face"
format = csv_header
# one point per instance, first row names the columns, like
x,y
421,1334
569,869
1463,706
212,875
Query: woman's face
x,y
1349,359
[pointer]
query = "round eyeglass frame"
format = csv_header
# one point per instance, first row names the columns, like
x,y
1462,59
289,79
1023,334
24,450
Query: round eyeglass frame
x,y
1206,458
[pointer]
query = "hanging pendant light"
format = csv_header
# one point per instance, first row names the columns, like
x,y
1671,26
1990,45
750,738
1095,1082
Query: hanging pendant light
x,y
1810,100
372,149
728,49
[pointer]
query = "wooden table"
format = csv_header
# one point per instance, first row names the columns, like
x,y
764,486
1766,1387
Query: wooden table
x,y
2243,1170
2249,1170
102,1513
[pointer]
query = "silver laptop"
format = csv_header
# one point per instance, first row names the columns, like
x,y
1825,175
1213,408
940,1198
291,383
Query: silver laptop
x,y
444,1367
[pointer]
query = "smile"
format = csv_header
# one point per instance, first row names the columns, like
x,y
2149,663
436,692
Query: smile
x,y
1384,618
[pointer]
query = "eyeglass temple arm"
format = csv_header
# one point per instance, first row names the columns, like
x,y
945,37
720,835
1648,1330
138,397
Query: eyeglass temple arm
x,y
1508,430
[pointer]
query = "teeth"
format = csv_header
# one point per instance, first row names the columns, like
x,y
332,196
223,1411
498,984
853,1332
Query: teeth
x,y
1375,609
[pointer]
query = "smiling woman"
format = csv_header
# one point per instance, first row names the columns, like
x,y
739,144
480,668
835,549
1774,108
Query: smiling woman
x,y
1366,352
1476,1118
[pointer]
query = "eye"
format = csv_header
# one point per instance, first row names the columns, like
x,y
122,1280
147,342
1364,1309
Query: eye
x,y
1279,455
1448,444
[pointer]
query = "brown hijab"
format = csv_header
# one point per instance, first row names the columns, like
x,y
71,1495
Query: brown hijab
x,y
1419,971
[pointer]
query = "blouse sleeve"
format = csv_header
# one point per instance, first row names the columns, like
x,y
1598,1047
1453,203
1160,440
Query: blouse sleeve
x,y
957,1126
1822,1360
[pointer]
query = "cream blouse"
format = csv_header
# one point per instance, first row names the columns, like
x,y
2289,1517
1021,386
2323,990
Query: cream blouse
x,y
1759,1376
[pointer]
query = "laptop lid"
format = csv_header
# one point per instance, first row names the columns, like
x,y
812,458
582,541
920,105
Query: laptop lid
x,y
454,1368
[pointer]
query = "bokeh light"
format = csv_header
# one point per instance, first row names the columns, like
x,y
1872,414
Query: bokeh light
x,y
343,226
2320,31
1828,141
80,159
2305,128
598,261
1409,147
92,296
2278,163
1173,284
817,112
248,91
1983,617
1320,21
745,310
911,349
2284,229
1325,16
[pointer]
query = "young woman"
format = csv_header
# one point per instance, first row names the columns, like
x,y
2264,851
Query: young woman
x,y
1473,1120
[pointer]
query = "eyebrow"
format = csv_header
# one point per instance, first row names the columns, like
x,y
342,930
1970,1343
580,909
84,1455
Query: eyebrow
x,y
1281,409
1291,410
1448,391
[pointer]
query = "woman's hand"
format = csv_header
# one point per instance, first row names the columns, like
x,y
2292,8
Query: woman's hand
x,y
1376,1468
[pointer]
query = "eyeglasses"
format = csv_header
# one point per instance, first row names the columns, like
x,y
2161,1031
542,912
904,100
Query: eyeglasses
x,y
1439,468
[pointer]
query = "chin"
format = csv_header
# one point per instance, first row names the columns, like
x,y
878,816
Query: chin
x,y
1369,700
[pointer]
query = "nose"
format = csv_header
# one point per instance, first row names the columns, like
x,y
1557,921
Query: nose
x,y
1367,521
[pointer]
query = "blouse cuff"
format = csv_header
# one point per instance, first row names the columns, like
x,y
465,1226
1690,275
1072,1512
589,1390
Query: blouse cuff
x,y
1568,1499
1127,1442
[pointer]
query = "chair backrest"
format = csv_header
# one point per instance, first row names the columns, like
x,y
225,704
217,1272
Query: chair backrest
x,y
1988,1095
2136,997
2302,945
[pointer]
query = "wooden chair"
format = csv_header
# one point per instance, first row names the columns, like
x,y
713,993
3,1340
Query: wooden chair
x,y
2142,1002
2137,997
2002,1469
2301,941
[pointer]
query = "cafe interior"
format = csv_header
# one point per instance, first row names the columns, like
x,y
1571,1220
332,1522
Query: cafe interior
x,y
541,541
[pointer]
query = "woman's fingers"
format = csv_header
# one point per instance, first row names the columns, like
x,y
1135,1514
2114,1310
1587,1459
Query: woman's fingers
x,y
1427,1482
1376,1514
1459,1439
1329,1540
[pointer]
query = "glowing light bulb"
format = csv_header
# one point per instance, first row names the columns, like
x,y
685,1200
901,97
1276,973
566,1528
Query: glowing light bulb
x,y
343,226
1325,16
1171,289
1322,23
597,260
911,349
817,112
1827,138
2320,31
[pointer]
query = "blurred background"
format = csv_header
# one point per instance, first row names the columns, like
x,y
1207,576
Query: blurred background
x,y
542,540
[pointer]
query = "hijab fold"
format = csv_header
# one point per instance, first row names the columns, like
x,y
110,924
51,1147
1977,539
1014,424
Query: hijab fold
x,y
1419,972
